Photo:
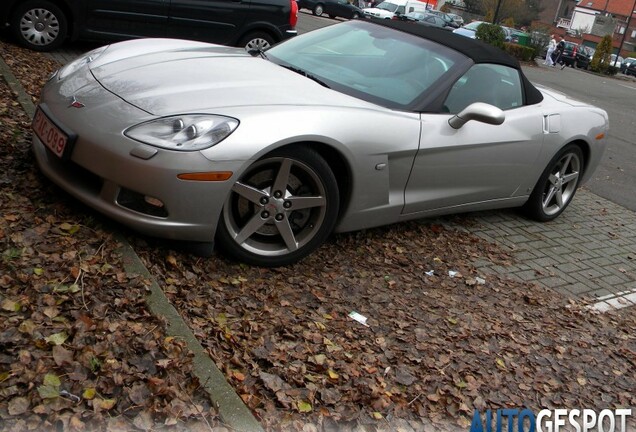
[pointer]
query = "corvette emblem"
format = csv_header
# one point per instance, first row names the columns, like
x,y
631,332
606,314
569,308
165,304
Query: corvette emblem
x,y
76,104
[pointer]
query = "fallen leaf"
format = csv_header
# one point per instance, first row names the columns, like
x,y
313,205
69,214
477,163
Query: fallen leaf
x,y
57,338
89,393
10,305
48,392
18,406
304,407
52,380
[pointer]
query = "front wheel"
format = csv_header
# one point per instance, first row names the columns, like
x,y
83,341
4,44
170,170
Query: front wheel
x,y
355,15
39,25
319,9
280,210
256,41
557,185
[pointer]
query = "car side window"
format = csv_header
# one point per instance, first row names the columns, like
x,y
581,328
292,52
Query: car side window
x,y
493,84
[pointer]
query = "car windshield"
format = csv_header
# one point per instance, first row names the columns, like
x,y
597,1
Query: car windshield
x,y
368,61
388,6
473,25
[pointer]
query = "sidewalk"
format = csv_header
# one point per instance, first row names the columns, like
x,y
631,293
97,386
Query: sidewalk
x,y
588,252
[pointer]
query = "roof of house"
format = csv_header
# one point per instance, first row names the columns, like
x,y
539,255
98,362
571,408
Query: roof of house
x,y
616,7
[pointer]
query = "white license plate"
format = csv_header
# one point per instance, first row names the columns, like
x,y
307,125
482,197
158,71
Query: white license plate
x,y
50,135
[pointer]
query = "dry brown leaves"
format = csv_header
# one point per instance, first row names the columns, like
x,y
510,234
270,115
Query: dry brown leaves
x,y
436,347
78,347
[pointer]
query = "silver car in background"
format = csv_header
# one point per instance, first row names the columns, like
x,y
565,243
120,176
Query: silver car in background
x,y
351,126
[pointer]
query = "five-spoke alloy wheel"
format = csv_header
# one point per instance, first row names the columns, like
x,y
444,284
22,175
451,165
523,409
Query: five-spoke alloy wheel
x,y
281,209
557,185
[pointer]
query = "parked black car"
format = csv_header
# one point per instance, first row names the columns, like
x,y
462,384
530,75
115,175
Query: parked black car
x,y
631,69
450,22
333,8
626,62
576,55
43,25
425,19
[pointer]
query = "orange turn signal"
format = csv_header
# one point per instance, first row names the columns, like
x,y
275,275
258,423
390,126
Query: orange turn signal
x,y
600,136
206,176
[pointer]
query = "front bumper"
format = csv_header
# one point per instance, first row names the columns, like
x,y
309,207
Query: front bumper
x,y
119,177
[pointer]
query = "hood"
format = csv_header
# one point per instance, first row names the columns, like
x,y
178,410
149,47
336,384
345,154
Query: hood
x,y
194,77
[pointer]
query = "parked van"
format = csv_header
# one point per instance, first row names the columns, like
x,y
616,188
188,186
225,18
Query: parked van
x,y
43,25
391,8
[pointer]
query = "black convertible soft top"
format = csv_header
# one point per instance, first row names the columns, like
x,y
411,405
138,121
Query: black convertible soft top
x,y
476,50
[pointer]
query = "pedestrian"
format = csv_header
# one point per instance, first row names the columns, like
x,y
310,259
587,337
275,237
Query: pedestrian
x,y
551,47
557,55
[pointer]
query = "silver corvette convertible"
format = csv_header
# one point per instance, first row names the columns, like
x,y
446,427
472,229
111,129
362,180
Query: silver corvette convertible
x,y
351,126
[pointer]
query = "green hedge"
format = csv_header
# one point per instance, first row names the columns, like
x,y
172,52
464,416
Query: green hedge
x,y
520,52
491,34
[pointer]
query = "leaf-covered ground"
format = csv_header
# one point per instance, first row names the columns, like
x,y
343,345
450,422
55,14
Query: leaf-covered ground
x,y
434,349
78,347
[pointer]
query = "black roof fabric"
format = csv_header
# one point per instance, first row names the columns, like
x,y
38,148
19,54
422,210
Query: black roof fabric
x,y
476,50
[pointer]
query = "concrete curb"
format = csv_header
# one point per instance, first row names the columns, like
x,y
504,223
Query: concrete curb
x,y
23,98
231,408
233,412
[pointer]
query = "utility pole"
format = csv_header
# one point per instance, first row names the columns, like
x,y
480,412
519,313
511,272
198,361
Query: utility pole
x,y
494,18
629,20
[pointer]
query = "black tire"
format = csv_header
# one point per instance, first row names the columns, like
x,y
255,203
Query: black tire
x,y
282,208
355,15
319,9
39,25
257,40
557,185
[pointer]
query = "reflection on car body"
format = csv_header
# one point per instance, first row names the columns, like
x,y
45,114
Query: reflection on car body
x,y
206,143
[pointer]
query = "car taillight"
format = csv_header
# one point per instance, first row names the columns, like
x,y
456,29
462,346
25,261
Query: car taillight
x,y
293,16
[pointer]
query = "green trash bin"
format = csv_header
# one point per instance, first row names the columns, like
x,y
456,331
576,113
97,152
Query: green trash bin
x,y
524,39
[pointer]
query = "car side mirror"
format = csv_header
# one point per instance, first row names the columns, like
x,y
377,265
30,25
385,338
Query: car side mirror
x,y
478,111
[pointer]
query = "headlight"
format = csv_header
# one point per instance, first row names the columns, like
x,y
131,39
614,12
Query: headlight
x,y
185,132
79,62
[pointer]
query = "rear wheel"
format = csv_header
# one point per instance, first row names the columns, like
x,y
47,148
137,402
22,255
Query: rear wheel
x,y
257,41
557,185
319,9
39,25
281,209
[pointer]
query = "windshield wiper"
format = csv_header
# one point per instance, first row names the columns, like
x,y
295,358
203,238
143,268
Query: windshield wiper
x,y
306,74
